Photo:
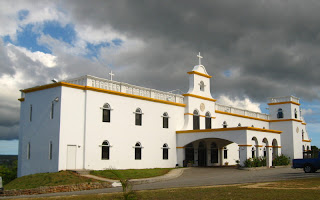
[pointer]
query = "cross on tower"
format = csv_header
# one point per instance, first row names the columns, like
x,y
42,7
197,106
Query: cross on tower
x,y
111,74
199,56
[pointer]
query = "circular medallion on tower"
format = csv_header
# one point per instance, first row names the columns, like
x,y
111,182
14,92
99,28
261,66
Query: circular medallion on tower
x,y
297,130
202,107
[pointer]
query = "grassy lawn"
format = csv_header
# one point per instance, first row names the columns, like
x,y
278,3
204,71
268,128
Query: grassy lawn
x,y
47,179
131,173
220,192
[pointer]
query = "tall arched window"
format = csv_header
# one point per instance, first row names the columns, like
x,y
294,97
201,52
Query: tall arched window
x,y
137,151
196,120
208,120
224,125
225,153
201,86
265,152
303,134
106,113
280,113
295,113
105,150
165,120
138,114
165,152
214,153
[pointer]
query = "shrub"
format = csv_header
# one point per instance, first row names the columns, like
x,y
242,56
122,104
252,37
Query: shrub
x,y
8,172
255,162
281,160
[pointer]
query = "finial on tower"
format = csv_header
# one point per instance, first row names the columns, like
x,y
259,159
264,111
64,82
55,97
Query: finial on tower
x,y
199,56
111,75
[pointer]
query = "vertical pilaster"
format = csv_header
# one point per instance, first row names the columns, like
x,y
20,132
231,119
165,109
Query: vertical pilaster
x,y
269,156
180,156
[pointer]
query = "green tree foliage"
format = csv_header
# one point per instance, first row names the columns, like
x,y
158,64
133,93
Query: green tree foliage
x,y
314,151
8,172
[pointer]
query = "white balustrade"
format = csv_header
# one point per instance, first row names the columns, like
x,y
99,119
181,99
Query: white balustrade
x,y
92,81
239,111
283,99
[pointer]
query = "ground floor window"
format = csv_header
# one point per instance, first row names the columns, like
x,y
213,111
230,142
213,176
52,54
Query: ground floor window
x,y
214,153
105,150
165,152
137,151
225,153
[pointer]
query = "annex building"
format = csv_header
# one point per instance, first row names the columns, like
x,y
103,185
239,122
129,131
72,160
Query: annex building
x,y
95,123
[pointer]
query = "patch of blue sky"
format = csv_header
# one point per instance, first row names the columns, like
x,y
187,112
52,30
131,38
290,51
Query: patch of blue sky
x,y
65,33
9,147
227,73
94,49
6,39
264,108
23,14
117,42
27,37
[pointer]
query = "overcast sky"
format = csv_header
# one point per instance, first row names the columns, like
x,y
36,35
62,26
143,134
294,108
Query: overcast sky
x,y
254,49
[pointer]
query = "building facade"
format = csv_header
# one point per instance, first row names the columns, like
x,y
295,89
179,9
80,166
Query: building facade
x,y
94,123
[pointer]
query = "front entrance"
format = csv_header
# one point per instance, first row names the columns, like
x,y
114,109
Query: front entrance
x,y
214,153
202,155
71,156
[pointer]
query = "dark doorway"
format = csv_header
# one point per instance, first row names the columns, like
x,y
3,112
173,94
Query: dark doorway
x,y
189,150
214,153
202,155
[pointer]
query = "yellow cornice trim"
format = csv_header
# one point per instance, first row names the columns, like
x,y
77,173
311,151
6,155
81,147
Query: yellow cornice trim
x,y
304,123
258,145
244,145
229,129
21,99
180,147
200,74
285,102
199,115
269,146
100,90
200,97
306,140
284,120
276,146
237,115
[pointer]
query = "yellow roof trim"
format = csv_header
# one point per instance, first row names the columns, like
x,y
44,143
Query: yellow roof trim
x,y
200,74
99,90
244,145
276,146
229,129
237,115
285,102
303,123
200,97
21,99
306,140
284,120
180,147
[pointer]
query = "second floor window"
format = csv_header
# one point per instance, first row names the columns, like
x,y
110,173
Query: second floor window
x,y
165,118
295,113
280,113
138,114
196,120
224,125
208,120
106,113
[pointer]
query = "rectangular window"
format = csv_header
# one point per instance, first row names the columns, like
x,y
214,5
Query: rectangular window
x,y
50,150
30,114
138,119
52,110
225,154
28,151
105,152
165,122
196,122
137,155
208,122
165,154
106,115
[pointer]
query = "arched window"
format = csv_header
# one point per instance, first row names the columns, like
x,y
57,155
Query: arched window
x,y
137,151
239,125
165,152
295,113
165,120
106,113
280,113
208,120
252,126
138,114
201,86
214,153
225,153
224,125
196,120
253,152
105,150
302,134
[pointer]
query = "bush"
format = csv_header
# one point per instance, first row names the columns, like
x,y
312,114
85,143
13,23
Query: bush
x,y
255,162
8,172
281,160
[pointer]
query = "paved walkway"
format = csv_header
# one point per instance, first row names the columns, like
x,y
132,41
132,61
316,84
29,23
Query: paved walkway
x,y
205,177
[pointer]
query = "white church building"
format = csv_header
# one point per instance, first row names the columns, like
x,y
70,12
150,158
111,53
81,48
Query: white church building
x,y
95,123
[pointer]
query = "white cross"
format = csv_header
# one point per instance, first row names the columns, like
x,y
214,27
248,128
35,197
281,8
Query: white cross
x,y
111,74
199,58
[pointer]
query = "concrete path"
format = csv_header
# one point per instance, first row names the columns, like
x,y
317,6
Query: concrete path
x,y
204,177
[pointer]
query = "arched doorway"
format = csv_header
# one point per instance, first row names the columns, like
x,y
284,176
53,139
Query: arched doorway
x,y
189,150
214,153
202,154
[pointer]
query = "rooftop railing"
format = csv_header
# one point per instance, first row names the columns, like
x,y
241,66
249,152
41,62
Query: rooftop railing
x,y
283,99
233,110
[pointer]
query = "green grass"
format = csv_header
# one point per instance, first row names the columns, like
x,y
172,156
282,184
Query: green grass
x,y
131,173
218,192
47,179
